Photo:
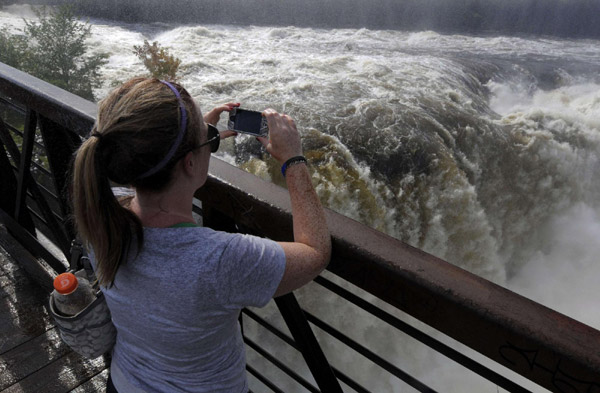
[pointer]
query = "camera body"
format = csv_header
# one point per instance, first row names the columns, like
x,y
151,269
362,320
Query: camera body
x,y
248,122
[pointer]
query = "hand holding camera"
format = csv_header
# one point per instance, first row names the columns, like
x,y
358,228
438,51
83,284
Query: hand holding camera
x,y
214,115
283,141
277,132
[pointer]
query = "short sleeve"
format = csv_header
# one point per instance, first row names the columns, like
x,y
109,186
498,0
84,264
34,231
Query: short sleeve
x,y
253,267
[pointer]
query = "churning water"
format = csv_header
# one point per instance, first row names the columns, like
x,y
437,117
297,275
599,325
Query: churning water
x,y
482,150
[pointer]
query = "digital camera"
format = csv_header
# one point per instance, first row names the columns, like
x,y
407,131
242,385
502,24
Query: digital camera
x,y
248,122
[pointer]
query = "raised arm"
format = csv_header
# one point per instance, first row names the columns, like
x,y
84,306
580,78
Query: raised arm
x,y
310,252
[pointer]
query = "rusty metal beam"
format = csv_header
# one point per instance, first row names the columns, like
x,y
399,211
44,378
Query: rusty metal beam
x,y
555,351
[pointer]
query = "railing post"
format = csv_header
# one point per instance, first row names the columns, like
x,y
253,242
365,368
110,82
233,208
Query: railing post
x,y
25,163
307,343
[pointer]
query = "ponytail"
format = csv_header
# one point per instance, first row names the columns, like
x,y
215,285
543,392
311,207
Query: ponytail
x,y
102,222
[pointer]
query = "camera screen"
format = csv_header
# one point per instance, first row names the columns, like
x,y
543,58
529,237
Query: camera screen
x,y
248,121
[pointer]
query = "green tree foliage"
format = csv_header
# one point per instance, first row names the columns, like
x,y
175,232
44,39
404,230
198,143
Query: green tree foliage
x,y
13,49
54,49
157,60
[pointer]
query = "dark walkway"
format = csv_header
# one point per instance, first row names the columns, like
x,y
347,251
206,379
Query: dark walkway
x,y
33,359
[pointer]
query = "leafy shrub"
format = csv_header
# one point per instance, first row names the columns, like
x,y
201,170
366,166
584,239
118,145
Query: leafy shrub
x,y
157,60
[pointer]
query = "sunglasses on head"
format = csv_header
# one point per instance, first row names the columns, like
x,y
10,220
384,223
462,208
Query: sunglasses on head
x,y
214,138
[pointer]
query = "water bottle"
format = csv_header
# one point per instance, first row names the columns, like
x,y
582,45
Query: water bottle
x,y
72,294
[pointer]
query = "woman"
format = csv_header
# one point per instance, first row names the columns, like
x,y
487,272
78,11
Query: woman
x,y
174,289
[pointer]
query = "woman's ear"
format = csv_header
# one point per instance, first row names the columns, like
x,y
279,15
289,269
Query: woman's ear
x,y
189,164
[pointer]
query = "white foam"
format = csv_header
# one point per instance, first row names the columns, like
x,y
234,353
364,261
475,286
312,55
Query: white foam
x,y
11,17
574,103
564,273
19,10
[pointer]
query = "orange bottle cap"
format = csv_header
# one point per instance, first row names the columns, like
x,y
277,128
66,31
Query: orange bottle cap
x,y
65,283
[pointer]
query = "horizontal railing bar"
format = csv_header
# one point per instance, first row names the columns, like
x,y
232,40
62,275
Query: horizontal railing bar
x,y
37,215
290,341
41,186
263,379
261,321
56,215
422,337
11,104
197,210
59,217
43,226
372,356
281,366
43,170
349,381
15,130
45,190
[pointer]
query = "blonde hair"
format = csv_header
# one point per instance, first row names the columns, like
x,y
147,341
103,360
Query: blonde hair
x,y
136,126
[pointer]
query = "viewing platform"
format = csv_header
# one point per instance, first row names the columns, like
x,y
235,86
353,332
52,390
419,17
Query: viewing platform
x,y
33,358
305,341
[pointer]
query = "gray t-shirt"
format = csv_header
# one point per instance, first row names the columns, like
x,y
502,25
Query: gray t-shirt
x,y
176,307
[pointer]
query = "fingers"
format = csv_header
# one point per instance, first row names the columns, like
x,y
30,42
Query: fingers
x,y
227,134
277,120
225,107
213,116
228,107
284,139
263,140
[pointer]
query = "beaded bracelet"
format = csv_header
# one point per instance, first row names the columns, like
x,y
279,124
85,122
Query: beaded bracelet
x,y
292,161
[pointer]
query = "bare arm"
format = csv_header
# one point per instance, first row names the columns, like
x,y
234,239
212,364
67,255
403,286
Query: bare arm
x,y
310,252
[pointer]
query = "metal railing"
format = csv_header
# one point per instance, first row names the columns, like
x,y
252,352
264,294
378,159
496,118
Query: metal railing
x,y
307,341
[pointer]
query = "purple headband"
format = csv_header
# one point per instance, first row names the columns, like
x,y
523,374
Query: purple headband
x,y
177,142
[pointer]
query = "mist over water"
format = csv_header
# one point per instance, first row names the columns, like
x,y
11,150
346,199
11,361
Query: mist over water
x,y
572,18
482,150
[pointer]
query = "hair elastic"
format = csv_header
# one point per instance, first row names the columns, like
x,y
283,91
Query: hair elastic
x,y
178,140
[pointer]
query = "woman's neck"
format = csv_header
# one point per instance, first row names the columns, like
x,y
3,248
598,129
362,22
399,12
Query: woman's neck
x,y
162,209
